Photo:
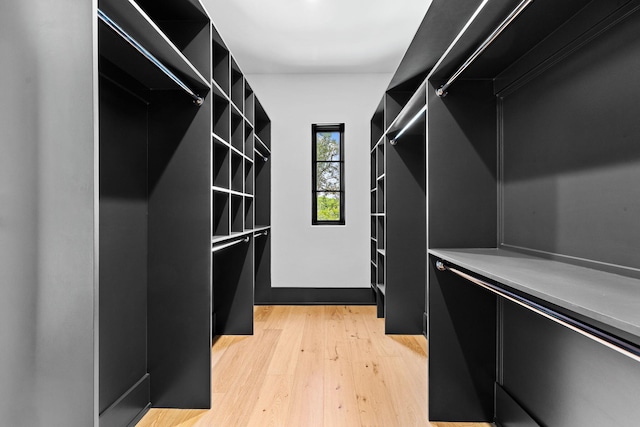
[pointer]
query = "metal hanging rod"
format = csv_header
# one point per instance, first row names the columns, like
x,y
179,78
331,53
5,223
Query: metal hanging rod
x,y
264,233
264,158
229,244
442,91
414,119
582,328
197,99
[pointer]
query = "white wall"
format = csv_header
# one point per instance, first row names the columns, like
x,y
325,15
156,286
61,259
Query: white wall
x,y
319,256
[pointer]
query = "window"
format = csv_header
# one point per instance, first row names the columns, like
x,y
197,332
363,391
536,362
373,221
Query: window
x,y
327,174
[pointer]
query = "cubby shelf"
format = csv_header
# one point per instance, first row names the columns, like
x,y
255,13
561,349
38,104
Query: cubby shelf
x,y
242,199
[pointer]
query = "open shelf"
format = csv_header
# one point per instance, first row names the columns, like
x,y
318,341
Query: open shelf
x,y
237,85
248,213
237,131
137,24
249,100
221,164
221,211
262,125
237,173
575,288
221,62
249,142
248,177
221,117
237,214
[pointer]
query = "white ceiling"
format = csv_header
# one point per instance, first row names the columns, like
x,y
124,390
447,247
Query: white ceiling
x,y
317,36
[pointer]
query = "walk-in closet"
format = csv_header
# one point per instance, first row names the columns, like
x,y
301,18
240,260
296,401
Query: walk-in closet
x,y
320,213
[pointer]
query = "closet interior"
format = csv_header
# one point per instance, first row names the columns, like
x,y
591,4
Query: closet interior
x,y
184,188
531,210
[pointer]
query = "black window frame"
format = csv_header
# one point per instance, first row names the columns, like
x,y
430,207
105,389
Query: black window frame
x,y
315,129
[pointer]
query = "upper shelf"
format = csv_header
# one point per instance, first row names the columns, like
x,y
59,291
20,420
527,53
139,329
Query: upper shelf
x,y
543,30
442,22
137,24
577,289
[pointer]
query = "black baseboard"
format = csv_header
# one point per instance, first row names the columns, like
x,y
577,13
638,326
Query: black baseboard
x,y
130,407
509,413
315,296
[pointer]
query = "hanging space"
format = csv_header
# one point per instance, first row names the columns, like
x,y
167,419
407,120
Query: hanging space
x,y
534,274
154,209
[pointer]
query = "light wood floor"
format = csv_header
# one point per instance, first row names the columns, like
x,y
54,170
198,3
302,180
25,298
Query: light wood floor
x,y
306,366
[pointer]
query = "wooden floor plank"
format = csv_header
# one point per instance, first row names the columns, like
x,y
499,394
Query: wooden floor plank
x,y
340,401
313,366
273,403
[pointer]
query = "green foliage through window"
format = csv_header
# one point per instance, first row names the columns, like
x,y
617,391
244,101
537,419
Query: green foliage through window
x,y
328,169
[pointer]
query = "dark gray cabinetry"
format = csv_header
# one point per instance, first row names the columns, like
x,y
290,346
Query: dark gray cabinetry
x,y
241,193
533,277
154,208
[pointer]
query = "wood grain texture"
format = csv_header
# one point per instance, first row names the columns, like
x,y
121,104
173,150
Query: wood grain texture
x,y
324,366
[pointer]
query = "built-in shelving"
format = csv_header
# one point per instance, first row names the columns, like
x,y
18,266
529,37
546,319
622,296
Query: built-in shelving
x,y
531,222
241,195
154,209
397,217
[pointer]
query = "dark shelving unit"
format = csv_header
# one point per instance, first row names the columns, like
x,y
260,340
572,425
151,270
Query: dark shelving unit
x,y
531,208
155,156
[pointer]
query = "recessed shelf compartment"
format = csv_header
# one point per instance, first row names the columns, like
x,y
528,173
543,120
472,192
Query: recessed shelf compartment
x,y
248,213
381,232
187,25
221,62
374,274
138,25
380,197
262,125
237,214
374,227
262,190
380,159
237,131
221,164
221,211
249,103
237,174
249,141
248,177
221,117
237,85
